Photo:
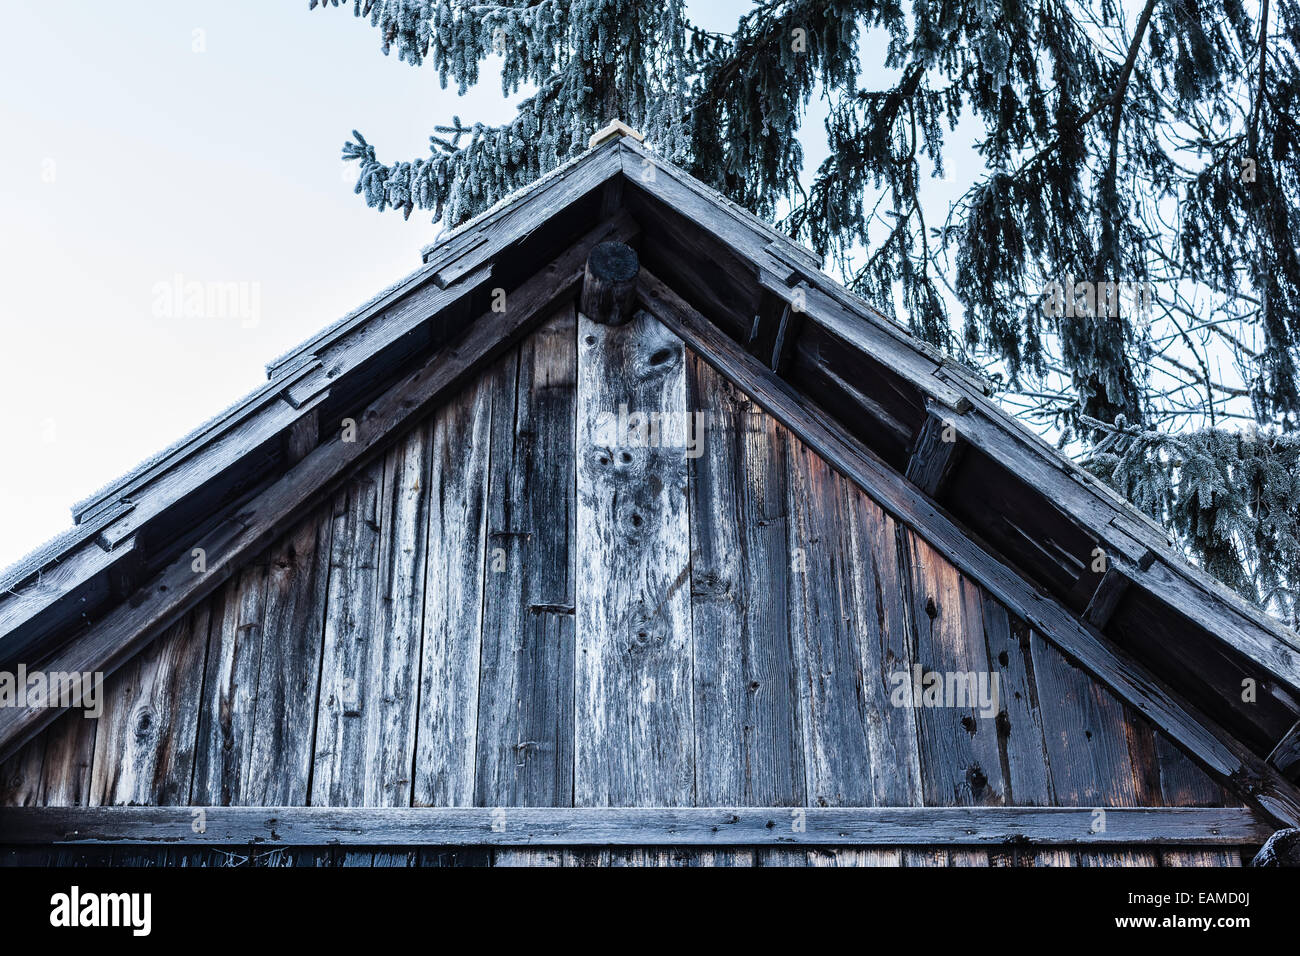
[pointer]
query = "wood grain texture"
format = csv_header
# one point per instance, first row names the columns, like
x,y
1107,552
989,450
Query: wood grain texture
x,y
1019,723
145,743
392,667
961,762
20,775
886,645
1085,735
453,599
338,775
526,691
837,757
634,648
748,747
288,684
970,830
224,748
69,756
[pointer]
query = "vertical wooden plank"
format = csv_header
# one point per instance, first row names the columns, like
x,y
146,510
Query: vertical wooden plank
x,y
587,857
738,857
961,762
145,744
1084,734
453,600
289,669
20,775
1019,725
223,752
634,649
1044,857
650,856
69,756
393,664
747,741
338,764
885,644
827,658
525,716
399,857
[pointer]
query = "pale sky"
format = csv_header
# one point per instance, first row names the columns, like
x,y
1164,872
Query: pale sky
x,y
176,140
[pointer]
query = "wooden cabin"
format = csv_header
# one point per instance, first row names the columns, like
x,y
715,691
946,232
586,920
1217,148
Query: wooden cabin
x,y
620,533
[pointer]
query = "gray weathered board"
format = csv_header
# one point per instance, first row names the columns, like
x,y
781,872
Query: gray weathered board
x,y
628,826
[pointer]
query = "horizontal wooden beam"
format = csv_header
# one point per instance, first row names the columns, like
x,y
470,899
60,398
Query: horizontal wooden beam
x,y
123,631
1225,757
630,826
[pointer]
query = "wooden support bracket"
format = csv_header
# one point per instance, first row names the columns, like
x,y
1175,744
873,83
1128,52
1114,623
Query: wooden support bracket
x,y
1106,596
1286,755
301,437
935,453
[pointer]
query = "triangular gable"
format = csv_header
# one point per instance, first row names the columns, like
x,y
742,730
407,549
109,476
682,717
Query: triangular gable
x,y
848,382
522,604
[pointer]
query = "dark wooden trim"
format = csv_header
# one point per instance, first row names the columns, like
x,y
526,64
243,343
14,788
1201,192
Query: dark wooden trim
x,y
1110,590
609,283
1225,757
762,330
933,459
484,236
1286,755
631,826
123,631
787,334
302,436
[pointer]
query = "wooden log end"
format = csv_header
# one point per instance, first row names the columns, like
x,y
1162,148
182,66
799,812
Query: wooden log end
x,y
1282,849
609,285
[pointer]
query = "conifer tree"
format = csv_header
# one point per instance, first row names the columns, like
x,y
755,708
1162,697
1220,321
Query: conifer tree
x,y
1124,266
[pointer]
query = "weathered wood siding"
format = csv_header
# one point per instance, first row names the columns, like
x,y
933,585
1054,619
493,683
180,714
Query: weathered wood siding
x,y
510,609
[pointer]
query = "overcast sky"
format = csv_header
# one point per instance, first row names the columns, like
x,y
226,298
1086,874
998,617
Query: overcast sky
x,y
160,142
